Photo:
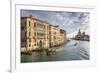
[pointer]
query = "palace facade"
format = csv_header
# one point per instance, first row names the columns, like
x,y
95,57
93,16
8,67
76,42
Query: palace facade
x,y
37,34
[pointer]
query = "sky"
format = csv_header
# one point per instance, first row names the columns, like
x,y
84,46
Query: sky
x,y
71,22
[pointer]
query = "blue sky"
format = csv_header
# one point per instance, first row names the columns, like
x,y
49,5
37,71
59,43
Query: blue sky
x,y
69,21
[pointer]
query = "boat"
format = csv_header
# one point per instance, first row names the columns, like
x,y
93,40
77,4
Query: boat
x,y
50,51
75,44
26,53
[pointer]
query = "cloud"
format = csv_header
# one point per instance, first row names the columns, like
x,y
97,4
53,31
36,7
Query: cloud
x,y
69,21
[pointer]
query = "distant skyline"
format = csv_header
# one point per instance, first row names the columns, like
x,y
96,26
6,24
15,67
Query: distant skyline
x,y
71,22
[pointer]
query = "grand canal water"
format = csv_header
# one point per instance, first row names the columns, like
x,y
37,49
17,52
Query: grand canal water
x,y
73,50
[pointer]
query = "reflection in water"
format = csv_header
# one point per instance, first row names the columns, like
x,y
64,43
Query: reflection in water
x,y
73,50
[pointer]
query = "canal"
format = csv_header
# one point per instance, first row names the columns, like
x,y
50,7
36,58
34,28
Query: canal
x,y
73,50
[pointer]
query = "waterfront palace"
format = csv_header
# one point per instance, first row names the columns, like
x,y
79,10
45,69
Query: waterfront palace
x,y
36,33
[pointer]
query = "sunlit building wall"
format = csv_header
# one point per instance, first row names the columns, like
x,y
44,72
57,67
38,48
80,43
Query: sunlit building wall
x,y
37,34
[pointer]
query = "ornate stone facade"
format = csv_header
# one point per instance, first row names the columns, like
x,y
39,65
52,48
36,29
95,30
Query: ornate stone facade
x,y
37,34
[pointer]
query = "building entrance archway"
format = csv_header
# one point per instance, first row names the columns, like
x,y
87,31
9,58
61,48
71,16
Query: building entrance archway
x,y
40,44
